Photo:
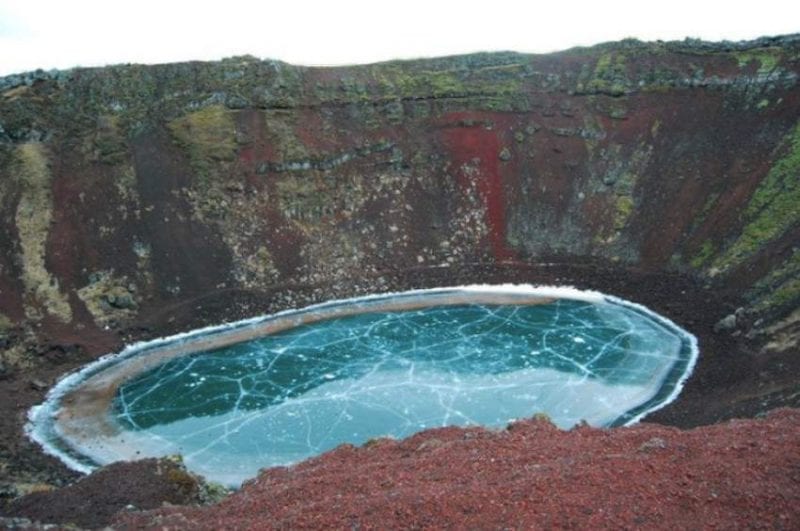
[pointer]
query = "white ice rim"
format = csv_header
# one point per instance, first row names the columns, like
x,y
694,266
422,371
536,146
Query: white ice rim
x,y
41,418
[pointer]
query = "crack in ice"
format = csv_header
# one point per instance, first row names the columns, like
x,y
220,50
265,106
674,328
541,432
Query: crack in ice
x,y
304,389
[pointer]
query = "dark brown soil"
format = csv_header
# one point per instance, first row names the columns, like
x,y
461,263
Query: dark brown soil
x,y
92,501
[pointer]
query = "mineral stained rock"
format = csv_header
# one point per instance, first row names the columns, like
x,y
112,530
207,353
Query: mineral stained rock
x,y
138,201
131,188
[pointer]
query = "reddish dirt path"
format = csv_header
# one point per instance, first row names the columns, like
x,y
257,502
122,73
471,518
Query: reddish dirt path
x,y
740,474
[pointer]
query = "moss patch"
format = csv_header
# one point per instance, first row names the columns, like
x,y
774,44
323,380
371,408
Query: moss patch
x,y
399,81
476,86
616,181
703,256
784,295
623,208
772,209
767,59
209,138
33,216
209,135
279,131
609,76
781,287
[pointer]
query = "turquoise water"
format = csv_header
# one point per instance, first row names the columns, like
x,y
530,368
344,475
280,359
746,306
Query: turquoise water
x,y
291,395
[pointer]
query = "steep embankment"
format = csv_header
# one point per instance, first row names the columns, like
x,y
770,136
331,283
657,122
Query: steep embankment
x,y
531,476
141,200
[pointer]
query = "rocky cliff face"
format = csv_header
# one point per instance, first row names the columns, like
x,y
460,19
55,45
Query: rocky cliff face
x,y
130,195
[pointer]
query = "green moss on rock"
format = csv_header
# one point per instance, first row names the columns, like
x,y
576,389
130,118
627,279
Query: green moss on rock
x,y
703,256
209,135
772,209
490,87
787,294
609,76
209,138
623,208
279,129
780,289
767,59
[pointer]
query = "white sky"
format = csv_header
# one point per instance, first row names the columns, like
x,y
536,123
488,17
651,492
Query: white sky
x,y
66,33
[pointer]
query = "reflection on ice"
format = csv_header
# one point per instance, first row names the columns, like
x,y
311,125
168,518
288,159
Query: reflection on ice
x,y
232,447
387,369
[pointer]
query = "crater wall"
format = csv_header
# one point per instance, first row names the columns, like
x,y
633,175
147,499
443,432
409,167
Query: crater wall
x,y
136,200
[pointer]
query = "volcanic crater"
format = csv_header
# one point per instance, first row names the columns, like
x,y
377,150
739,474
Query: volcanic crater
x,y
142,201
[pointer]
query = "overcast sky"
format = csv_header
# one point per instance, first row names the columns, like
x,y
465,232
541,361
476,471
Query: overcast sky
x,y
66,33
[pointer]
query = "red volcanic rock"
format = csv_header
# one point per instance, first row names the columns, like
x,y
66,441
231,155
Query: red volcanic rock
x,y
142,201
744,473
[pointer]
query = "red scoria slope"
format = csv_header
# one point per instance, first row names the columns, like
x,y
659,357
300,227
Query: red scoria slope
x,y
742,474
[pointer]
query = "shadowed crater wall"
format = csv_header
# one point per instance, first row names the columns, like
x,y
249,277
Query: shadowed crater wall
x,y
137,201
